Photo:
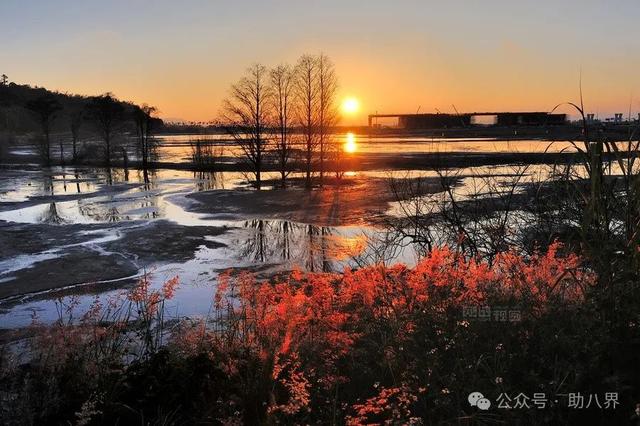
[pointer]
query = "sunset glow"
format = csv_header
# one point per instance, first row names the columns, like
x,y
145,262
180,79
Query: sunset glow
x,y
181,73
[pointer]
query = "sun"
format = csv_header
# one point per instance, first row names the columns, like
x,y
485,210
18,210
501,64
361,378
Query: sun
x,y
350,105
350,143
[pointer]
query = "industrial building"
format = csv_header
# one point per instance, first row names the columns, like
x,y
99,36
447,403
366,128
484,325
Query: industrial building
x,y
440,121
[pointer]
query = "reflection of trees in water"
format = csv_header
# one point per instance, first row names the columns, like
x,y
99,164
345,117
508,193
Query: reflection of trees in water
x,y
77,177
145,176
255,246
274,241
52,216
113,175
317,258
206,181
112,214
109,211
150,201
47,184
64,180
101,212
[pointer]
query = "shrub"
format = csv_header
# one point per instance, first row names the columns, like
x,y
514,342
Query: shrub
x,y
378,345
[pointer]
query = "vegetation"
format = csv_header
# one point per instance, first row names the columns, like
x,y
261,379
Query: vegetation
x,y
107,114
146,146
204,155
59,117
264,105
246,115
376,345
45,108
282,82
521,287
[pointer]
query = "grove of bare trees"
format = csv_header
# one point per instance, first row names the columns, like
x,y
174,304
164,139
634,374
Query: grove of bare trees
x,y
106,113
285,115
246,113
143,117
44,108
282,80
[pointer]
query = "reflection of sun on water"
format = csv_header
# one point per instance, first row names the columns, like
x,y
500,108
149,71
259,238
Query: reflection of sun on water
x,y
350,143
351,246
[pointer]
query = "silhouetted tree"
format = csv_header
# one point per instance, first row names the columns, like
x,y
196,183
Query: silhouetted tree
x,y
4,80
106,111
246,113
307,99
45,108
143,117
327,112
282,86
76,119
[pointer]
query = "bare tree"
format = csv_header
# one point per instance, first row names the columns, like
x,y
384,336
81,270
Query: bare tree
x,y
307,100
4,80
76,119
45,108
246,113
282,86
144,119
336,152
106,111
327,110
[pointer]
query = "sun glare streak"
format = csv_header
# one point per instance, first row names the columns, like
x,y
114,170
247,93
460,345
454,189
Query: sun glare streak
x,y
350,145
350,105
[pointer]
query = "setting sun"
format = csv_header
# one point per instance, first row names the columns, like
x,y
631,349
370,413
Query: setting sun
x,y
350,105
350,143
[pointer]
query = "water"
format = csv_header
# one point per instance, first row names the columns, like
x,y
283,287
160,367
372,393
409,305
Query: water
x,y
178,148
82,216
72,200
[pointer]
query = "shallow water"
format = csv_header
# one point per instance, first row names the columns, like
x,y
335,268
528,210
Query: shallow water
x,y
179,148
120,203
66,198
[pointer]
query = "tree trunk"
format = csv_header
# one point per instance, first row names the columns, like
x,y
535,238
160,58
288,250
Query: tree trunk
x,y
47,148
61,153
145,156
108,151
321,158
308,165
75,152
258,170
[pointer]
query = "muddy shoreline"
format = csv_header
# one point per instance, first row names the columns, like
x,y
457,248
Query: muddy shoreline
x,y
352,201
76,260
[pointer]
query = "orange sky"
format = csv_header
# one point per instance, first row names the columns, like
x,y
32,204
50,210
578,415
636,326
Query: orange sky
x,y
392,56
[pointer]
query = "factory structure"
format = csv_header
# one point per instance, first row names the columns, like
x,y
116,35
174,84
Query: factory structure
x,y
441,121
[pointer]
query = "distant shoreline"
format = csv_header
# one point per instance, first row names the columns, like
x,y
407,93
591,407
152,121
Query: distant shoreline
x,y
567,132
359,162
